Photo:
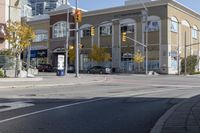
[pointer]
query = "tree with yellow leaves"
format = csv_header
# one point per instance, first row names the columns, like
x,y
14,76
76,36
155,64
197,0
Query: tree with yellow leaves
x,y
19,35
99,54
138,58
72,54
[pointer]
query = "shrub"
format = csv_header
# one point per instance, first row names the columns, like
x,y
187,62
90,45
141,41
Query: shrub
x,y
1,73
191,63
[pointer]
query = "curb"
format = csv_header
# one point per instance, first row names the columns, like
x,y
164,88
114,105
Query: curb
x,y
20,79
52,85
161,121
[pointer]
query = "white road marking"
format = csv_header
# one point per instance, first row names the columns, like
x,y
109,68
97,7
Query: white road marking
x,y
79,103
14,105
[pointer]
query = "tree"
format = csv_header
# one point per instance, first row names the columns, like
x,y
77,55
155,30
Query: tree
x,y
72,54
19,36
191,62
99,54
138,58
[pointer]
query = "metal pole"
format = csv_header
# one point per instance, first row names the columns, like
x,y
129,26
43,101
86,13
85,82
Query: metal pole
x,y
190,57
67,44
28,59
185,62
77,47
198,51
9,21
146,42
178,52
92,41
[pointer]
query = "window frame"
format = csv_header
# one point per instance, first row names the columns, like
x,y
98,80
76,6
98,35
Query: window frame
x,y
61,31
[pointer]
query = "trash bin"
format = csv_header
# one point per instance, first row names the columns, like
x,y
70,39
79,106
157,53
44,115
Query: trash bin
x,y
60,73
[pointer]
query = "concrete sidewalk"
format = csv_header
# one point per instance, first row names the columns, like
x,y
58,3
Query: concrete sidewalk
x,y
182,118
45,80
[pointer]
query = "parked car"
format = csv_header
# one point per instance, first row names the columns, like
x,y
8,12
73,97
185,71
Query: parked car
x,y
45,68
99,69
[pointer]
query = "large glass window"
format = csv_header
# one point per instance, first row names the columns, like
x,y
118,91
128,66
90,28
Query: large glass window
x,y
152,26
41,35
106,30
194,32
60,29
174,26
86,32
128,28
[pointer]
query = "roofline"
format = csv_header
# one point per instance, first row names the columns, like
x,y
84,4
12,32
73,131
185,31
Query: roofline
x,y
125,8
185,9
38,21
139,6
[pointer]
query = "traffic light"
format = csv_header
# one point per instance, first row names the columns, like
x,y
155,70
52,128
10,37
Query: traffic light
x,y
124,37
92,32
78,16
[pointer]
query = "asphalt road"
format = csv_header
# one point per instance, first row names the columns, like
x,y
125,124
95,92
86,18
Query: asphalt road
x,y
124,104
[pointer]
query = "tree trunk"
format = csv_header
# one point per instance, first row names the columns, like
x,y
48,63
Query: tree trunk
x,y
17,66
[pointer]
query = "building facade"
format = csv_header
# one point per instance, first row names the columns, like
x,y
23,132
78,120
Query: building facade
x,y
9,10
169,27
40,45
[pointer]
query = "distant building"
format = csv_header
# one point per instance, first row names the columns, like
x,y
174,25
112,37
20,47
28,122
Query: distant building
x,y
43,6
26,9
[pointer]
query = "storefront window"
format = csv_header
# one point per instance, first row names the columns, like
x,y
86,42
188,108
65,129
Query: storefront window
x,y
60,29
106,30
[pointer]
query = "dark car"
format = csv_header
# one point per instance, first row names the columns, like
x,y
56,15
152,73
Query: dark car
x,y
71,69
99,69
45,68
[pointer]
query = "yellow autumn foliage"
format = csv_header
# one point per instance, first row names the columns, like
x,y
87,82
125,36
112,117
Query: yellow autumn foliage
x,y
138,57
19,35
99,54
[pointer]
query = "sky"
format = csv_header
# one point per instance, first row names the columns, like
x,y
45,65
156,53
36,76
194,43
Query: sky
x,y
100,4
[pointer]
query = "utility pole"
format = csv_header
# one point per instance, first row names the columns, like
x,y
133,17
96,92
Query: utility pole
x,y
77,46
185,62
145,14
67,44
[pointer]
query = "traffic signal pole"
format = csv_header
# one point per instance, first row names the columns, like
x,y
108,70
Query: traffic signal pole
x,y
77,46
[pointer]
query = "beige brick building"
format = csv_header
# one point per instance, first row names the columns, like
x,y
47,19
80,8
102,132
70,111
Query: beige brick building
x,y
171,25
168,22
